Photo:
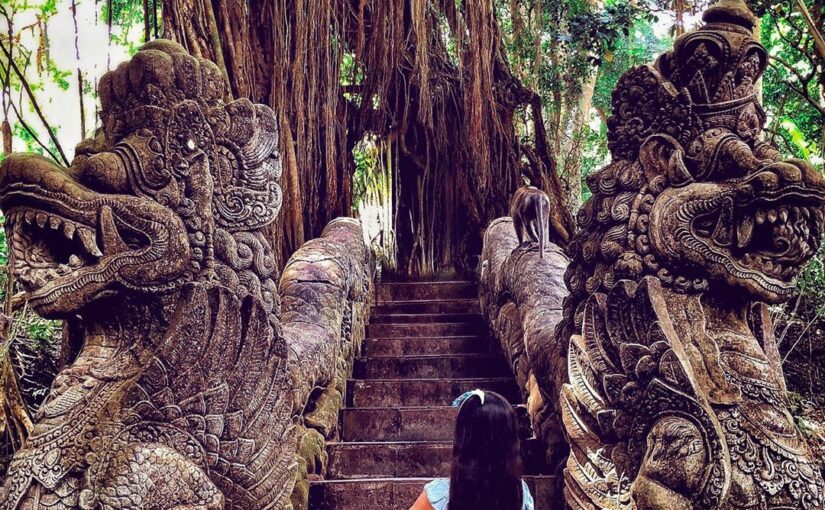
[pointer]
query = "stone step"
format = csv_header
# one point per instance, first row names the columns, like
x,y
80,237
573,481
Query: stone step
x,y
427,329
423,392
401,291
410,459
432,423
427,306
389,460
418,318
408,346
431,366
400,493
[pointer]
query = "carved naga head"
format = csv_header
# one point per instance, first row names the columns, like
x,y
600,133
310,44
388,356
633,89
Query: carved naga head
x,y
693,195
176,187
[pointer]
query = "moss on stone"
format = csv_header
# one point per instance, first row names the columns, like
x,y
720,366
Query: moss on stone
x,y
324,415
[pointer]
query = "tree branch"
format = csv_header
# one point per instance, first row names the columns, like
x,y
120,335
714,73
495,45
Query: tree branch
x,y
804,95
33,100
31,132
802,79
820,42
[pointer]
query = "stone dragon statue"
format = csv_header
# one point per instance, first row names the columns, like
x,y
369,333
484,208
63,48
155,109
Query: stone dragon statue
x,y
675,396
153,245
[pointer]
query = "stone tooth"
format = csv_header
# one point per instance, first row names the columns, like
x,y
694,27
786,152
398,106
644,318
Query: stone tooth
x,y
806,213
772,216
69,230
783,214
767,266
54,222
29,215
74,261
41,219
760,217
744,231
87,239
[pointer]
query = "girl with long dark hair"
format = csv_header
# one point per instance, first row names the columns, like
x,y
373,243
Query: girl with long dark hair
x,y
486,469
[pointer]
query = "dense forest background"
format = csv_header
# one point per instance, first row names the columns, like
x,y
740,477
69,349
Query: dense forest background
x,y
419,116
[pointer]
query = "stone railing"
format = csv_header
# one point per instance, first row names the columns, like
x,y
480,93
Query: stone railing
x,y
521,298
325,290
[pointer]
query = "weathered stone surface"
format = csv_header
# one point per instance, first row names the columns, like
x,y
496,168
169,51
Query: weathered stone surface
x,y
184,390
311,449
390,459
521,297
428,306
426,345
427,329
398,424
446,290
676,396
424,392
402,318
324,414
429,366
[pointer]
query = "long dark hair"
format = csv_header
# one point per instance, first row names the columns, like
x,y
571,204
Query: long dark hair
x,y
486,470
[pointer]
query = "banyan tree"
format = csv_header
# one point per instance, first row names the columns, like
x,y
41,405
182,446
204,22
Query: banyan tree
x,y
429,79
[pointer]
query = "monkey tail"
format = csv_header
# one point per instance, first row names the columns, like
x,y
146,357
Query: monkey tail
x,y
542,228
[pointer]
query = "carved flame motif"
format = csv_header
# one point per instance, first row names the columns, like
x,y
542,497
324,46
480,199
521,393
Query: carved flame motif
x,y
675,396
177,395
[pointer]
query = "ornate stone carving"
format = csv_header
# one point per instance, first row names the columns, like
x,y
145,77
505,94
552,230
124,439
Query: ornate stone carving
x,y
530,211
675,396
179,395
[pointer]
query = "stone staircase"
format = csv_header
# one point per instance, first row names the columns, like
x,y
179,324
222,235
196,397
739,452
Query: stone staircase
x,y
426,344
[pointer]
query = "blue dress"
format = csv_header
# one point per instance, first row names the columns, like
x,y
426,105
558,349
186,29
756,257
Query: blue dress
x,y
438,493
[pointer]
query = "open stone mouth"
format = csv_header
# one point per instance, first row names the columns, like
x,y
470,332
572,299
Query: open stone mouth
x,y
769,238
47,246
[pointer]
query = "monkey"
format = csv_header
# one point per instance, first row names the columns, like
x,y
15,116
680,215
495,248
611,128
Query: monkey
x,y
530,210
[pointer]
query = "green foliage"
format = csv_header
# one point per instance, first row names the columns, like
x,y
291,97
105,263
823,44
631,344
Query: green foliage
x,y
641,46
600,32
126,15
811,286
59,76
367,175
795,125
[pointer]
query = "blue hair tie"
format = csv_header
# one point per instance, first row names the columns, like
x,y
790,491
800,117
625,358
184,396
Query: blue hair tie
x,y
467,394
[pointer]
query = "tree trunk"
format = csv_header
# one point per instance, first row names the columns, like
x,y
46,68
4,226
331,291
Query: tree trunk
x,y
573,160
448,117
